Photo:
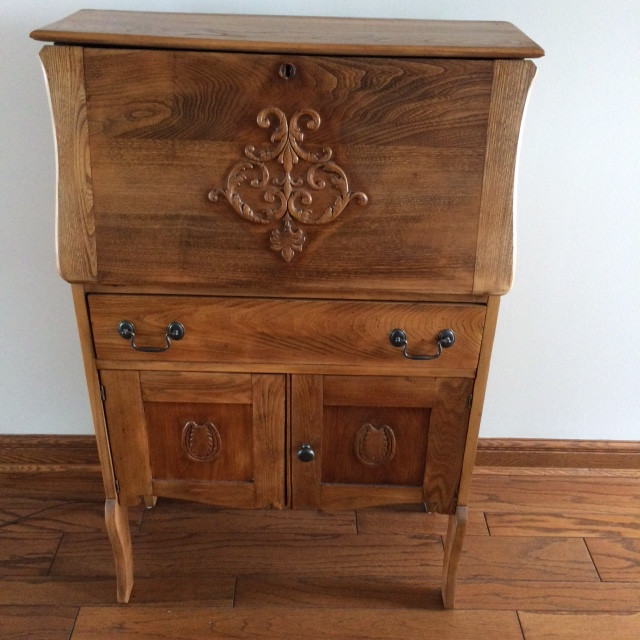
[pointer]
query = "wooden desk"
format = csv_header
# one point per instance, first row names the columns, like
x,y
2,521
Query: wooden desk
x,y
264,221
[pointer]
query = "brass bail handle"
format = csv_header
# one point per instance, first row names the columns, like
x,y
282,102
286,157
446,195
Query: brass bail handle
x,y
127,330
446,338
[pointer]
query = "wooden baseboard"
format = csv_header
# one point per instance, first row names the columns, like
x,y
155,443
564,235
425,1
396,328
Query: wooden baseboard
x,y
558,454
33,453
36,453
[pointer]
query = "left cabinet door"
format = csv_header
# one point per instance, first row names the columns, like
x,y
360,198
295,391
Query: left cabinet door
x,y
211,437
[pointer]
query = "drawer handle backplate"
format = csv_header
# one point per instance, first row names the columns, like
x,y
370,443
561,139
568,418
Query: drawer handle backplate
x,y
127,330
446,338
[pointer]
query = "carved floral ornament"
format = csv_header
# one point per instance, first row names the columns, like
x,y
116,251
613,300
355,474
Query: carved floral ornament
x,y
284,182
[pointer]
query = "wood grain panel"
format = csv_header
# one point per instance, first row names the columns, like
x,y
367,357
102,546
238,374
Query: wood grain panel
x,y
477,400
27,554
409,133
321,35
93,387
447,438
212,591
183,386
344,481
307,418
170,460
14,508
69,517
397,368
580,626
229,494
342,461
37,622
75,220
47,452
287,331
359,496
141,623
577,524
174,553
127,434
413,520
378,391
617,559
198,518
268,440
411,592
487,558
558,454
548,595
494,258
556,494
52,485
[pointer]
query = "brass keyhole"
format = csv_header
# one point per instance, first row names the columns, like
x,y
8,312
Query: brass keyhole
x,y
287,71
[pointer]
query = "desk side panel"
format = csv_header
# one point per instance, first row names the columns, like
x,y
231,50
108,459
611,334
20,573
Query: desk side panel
x,y
75,223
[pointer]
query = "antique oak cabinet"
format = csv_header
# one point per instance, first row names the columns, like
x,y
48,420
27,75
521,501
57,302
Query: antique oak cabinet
x,y
287,239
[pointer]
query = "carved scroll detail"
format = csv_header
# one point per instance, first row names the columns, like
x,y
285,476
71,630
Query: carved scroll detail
x,y
375,445
201,442
264,188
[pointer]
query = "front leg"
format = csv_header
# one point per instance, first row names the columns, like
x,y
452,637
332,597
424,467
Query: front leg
x,y
117,520
452,550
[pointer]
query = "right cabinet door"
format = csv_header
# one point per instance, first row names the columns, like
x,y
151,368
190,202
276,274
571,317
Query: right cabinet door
x,y
371,440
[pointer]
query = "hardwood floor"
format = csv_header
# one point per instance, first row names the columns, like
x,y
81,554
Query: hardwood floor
x,y
547,556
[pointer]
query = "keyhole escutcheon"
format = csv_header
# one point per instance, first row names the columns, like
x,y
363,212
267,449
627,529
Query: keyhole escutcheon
x,y
287,70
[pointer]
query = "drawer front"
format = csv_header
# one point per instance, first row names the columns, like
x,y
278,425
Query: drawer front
x,y
286,174
286,334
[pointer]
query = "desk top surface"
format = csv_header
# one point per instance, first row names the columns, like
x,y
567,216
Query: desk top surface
x,y
288,34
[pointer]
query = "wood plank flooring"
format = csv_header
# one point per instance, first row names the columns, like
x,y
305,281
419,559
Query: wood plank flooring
x,y
547,556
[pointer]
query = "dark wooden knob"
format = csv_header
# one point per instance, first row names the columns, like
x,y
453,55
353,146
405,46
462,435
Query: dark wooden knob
x,y
306,453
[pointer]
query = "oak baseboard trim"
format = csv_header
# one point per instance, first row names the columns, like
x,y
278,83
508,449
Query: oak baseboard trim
x,y
39,453
509,453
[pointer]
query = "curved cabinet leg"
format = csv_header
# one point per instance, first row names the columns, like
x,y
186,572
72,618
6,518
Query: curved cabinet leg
x,y
150,501
452,549
117,521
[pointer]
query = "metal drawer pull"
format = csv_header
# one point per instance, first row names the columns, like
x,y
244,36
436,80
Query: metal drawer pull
x,y
175,331
398,338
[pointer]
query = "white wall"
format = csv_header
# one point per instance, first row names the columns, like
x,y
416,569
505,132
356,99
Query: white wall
x,y
566,356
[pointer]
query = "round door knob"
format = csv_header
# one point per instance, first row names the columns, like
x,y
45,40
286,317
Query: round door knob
x,y
306,453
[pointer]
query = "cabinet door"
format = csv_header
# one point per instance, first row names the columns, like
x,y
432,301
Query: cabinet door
x,y
377,440
213,437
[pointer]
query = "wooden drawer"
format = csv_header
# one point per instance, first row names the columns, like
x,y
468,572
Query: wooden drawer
x,y
287,335
365,170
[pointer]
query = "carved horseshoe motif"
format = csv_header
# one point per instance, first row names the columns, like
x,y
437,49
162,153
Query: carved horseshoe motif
x,y
201,442
375,445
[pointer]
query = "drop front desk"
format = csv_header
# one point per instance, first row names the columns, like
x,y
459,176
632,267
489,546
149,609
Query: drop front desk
x,y
287,239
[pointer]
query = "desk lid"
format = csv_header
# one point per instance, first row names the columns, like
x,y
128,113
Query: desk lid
x,y
280,34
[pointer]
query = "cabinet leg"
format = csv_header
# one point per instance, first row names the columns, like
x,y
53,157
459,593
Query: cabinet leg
x,y
117,521
452,550
150,501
